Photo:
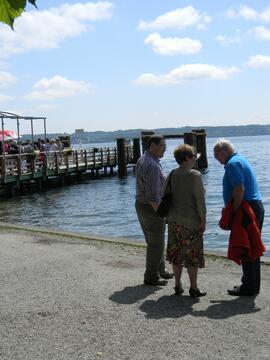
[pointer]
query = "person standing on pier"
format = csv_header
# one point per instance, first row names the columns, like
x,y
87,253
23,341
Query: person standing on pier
x,y
239,186
150,180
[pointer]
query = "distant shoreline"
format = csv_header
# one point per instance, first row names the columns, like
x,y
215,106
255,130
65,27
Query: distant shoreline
x,y
87,137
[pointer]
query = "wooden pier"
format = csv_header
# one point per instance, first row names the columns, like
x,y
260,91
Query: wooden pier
x,y
40,167
36,169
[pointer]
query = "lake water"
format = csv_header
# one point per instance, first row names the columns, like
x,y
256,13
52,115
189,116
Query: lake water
x,y
106,206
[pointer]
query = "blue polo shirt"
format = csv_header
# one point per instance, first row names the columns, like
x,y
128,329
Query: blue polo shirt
x,y
238,171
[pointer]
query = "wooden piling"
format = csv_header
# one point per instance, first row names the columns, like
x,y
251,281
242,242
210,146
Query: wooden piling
x,y
136,150
201,148
121,156
145,135
190,139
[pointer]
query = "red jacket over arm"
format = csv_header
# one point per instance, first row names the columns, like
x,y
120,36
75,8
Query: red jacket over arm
x,y
245,243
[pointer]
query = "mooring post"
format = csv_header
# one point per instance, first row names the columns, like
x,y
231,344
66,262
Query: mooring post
x,y
190,139
145,135
136,150
121,156
201,148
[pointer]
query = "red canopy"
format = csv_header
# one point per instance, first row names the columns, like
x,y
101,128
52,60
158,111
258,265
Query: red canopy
x,y
8,135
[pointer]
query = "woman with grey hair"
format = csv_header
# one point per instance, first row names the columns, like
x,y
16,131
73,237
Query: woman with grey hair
x,y
186,220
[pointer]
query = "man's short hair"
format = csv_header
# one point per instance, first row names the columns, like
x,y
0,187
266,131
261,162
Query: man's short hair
x,y
224,144
154,139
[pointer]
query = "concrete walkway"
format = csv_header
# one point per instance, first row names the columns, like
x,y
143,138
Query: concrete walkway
x,y
67,298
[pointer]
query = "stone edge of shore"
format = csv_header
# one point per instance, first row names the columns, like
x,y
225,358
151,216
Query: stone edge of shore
x,y
120,241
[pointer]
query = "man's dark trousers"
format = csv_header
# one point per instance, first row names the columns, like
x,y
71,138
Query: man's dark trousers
x,y
251,279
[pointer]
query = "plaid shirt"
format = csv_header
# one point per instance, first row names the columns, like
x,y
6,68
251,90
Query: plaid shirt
x,y
150,179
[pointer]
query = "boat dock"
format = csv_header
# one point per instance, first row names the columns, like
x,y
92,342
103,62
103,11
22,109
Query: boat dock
x,y
37,168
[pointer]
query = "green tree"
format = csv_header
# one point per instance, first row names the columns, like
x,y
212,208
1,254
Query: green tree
x,y
11,9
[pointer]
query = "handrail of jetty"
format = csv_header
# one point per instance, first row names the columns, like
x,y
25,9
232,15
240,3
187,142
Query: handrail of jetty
x,y
27,166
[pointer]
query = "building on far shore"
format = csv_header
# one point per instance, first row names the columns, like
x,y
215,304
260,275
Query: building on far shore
x,y
79,131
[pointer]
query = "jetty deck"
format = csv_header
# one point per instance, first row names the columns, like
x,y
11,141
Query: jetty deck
x,y
40,167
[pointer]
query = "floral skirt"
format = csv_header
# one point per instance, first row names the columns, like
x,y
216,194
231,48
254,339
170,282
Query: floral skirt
x,y
185,246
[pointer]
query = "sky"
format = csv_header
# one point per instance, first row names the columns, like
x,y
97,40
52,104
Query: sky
x,y
127,64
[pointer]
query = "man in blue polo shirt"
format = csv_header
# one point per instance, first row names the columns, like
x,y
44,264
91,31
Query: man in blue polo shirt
x,y
239,183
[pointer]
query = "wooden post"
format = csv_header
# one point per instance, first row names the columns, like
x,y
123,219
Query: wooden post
x,y
33,165
136,150
77,161
121,156
145,135
67,163
3,168
201,148
45,165
57,164
190,139
101,157
11,190
85,159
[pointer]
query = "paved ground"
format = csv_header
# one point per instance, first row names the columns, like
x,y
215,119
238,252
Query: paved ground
x,y
66,298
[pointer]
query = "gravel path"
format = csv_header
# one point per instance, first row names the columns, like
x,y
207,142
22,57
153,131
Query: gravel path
x,y
68,298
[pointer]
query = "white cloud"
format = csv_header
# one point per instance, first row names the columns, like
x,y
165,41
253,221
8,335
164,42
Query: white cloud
x,y
6,78
5,98
227,41
173,46
249,13
58,87
187,73
47,29
176,19
261,33
259,61
231,13
47,107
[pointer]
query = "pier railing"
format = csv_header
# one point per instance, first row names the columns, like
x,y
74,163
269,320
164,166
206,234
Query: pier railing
x,y
34,165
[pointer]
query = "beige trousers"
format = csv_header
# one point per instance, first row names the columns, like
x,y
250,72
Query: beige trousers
x,y
153,228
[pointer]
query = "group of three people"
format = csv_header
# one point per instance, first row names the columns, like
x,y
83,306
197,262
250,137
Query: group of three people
x,y
187,214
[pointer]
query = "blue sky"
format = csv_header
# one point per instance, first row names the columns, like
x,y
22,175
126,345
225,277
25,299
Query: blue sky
x,y
126,64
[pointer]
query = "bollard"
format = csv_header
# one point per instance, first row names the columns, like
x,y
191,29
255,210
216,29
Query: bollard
x,y
136,150
190,139
201,148
121,156
145,135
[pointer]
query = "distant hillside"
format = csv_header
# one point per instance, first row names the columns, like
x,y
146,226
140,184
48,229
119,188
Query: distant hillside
x,y
211,131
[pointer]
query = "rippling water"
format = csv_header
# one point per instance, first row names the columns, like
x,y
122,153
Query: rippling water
x,y
106,206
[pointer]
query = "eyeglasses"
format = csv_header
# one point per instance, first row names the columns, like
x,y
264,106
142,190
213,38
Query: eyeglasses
x,y
217,151
162,145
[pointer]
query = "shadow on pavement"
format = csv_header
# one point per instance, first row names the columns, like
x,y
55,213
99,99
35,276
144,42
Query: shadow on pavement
x,y
132,294
223,309
168,307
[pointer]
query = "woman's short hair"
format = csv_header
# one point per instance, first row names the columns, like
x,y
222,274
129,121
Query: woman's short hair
x,y
182,152
154,139
224,144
